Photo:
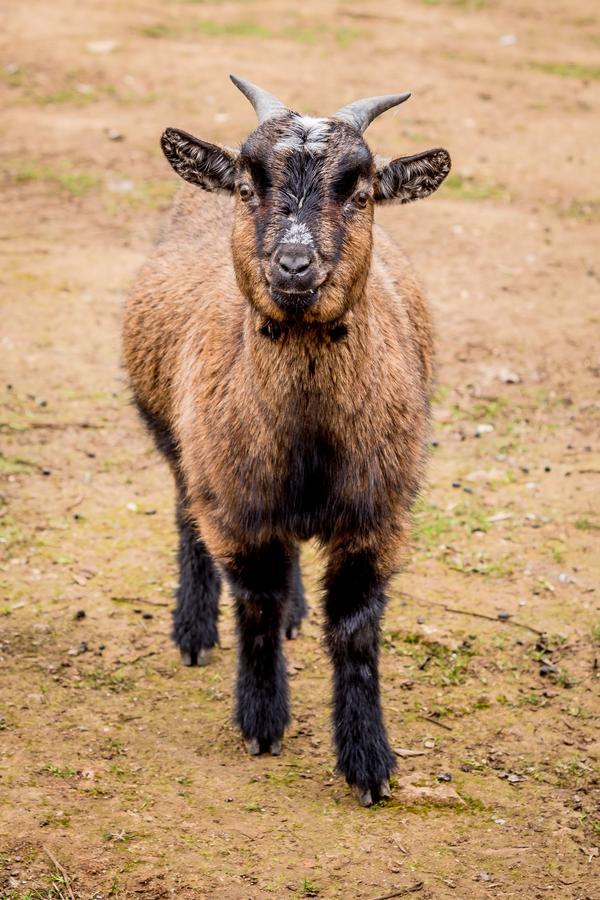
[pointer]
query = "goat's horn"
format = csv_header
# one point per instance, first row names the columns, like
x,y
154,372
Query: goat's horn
x,y
361,113
266,105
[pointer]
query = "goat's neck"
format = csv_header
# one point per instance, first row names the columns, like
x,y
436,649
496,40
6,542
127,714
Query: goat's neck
x,y
322,361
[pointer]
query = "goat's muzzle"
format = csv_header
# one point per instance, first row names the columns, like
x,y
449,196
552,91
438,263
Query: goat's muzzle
x,y
294,277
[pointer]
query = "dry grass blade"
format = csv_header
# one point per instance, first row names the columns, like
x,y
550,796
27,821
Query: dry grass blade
x,y
62,871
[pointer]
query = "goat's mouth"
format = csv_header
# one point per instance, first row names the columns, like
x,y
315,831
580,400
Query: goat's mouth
x,y
290,301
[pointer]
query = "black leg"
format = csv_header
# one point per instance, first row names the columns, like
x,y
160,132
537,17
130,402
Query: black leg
x,y
296,606
260,582
195,617
354,604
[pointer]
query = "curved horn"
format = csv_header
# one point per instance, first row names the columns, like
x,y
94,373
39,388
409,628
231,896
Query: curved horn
x,y
361,113
266,105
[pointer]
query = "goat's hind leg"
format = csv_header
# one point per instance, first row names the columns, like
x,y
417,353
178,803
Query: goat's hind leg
x,y
296,609
195,617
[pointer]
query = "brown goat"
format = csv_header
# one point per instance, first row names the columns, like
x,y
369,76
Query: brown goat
x,y
280,351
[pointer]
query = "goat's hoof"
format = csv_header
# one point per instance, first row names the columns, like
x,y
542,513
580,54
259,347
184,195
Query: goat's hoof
x,y
367,797
253,746
195,657
363,795
292,633
385,792
275,748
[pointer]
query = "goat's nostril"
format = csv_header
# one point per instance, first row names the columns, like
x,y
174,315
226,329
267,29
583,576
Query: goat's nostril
x,y
294,263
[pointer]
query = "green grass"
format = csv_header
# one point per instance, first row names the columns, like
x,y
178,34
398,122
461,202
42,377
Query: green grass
x,y
74,183
300,33
432,524
584,210
568,70
158,30
461,4
58,771
15,465
99,680
461,187
585,524
242,28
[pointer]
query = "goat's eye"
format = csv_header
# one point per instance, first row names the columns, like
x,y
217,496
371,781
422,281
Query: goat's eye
x,y
361,199
246,192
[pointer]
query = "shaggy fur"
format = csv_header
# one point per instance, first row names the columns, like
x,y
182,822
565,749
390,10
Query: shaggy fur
x,y
287,416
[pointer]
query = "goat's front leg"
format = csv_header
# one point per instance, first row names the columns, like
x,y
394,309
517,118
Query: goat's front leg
x,y
260,580
354,604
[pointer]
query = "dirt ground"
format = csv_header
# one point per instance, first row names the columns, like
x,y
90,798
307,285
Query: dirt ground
x,y
120,772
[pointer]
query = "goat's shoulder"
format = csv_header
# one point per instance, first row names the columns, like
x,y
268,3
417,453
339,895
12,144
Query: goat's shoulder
x,y
400,298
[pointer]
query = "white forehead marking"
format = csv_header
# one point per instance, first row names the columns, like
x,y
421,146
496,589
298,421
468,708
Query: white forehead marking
x,y
306,133
297,233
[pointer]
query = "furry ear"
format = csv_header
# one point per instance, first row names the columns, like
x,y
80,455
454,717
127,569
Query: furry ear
x,y
207,165
411,177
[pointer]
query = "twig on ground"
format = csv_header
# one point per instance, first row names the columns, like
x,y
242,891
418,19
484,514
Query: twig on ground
x,y
401,892
477,615
116,598
65,877
435,721
136,659
75,503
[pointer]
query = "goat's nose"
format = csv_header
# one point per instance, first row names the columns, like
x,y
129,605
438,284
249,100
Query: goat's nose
x,y
294,262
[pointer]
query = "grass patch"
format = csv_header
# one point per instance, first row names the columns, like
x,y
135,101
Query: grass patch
x,y
300,33
461,187
58,771
431,523
242,28
459,4
158,30
15,465
568,70
74,183
584,210
99,680
585,524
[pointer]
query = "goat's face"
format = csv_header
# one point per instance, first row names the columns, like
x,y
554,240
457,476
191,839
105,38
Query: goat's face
x,y
305,190
304,212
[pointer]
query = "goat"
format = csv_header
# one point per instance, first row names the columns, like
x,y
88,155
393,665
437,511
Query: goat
x,y
280,351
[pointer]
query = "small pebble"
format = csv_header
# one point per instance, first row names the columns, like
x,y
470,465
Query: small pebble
x,y
147,615
80,614
504,616
46,471
420,620
444,776
548,669
547,469
456,484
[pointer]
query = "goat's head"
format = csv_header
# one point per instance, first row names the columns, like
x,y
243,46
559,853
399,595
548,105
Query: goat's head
x,y
305,190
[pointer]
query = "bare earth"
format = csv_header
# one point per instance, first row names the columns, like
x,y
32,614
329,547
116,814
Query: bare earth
x,y
120,772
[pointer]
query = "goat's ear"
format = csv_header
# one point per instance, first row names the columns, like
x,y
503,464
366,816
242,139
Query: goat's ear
x,y
411,177
207,165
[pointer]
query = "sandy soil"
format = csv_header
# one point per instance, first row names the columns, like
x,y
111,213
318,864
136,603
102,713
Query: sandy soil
x,y
120,773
